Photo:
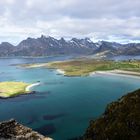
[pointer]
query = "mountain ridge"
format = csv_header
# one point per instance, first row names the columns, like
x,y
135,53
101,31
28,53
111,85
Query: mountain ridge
x,y
47,46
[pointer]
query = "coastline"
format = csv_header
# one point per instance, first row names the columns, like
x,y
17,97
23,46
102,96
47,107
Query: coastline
x,y
117,73
25,89
9,89
60,71
28,88
123,73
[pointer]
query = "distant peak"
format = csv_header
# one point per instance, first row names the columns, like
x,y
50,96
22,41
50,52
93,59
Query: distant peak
x,y
73,39
29,38
87,38
43,36
62,39
5,43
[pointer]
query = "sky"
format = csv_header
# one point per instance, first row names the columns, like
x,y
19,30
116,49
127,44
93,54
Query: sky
x,y
112,20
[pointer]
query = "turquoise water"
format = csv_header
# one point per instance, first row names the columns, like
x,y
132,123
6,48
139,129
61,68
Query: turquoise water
x,y
62,106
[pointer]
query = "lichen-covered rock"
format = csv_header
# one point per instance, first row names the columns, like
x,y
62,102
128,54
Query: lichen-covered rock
x,y
12,130
121,120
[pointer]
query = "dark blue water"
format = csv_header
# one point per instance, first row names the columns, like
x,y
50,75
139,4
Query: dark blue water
x,y
62,106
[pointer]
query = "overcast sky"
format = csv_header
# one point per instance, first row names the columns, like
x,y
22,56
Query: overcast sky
x,y
116,20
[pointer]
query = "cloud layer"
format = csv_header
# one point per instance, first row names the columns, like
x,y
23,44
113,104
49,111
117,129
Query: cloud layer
x,y
116,20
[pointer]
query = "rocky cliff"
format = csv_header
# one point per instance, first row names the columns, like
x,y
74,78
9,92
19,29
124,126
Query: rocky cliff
x,y
12,130
121,120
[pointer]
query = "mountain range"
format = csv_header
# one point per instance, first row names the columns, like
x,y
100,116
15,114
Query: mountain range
x,y
47,46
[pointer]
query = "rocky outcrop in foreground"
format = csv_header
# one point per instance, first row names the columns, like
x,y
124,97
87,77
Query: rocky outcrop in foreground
x,y
12,130
121,120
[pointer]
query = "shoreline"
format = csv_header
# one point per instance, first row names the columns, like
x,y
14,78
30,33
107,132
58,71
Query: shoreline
x,y
60,71
117,73
12,88
28,88
123,73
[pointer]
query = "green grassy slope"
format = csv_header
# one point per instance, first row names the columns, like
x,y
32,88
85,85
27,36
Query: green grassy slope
x,y
9,89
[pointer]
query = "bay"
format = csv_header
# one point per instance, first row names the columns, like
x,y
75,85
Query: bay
x,y
62,106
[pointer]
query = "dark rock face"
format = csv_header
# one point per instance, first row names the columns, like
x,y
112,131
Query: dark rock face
x,y
6,49
12,130
47,46
44,46
121,120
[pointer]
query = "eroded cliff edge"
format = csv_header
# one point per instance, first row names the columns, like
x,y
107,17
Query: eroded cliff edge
x,y
12,130
121,120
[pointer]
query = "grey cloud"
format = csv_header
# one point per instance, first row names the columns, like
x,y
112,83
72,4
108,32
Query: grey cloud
x,y
100,19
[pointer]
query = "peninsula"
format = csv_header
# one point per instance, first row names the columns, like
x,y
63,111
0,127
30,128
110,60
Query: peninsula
x,y
12,89
85,67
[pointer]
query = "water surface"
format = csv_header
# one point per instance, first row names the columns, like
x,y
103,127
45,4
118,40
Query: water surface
x,y
62,106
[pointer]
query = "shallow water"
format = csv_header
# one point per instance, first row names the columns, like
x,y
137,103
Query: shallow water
x,y
62,106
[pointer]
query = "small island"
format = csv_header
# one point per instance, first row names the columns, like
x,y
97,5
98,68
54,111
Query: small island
x,y
85,67
12,89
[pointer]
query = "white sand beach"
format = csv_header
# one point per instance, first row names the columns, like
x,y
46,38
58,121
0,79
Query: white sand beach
x,y
28,88
117,72
60,71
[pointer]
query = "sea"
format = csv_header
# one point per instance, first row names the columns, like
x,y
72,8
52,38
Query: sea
x,y
61,107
